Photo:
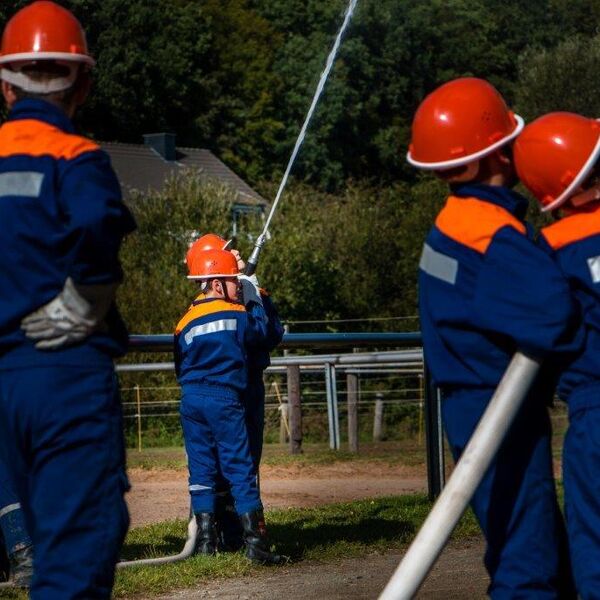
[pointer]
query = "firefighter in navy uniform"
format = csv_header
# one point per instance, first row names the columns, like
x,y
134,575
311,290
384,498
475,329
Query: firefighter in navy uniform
x,y
556,158
229,530
485,291
212,343
62,221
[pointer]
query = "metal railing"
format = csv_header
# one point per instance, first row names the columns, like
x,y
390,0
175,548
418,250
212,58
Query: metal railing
x,y
410,359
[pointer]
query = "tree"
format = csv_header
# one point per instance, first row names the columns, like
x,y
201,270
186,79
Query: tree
x,y
561,78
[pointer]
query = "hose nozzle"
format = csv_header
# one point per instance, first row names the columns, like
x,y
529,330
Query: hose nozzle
x,y
252,262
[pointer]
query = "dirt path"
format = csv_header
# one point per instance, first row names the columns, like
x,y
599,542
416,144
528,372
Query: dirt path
x,y
159,495
458,575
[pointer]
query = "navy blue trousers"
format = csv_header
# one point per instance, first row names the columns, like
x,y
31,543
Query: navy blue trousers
x,y
581,478
216,442
61,437
12,520
515,504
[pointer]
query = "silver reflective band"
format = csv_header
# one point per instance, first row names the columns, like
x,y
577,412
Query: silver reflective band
x,y
198,488
213,327
21,183
594,267
9,508
438,265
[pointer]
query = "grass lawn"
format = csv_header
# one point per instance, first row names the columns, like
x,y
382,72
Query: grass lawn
x,y
408,452
325,533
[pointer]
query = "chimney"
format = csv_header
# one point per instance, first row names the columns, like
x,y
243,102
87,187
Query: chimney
x,y
161,143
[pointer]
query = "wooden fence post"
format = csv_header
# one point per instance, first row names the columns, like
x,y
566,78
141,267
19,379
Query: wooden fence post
x,y
294,408
378,420
352,398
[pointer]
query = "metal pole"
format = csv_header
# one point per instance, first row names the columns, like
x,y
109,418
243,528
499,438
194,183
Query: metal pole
x,y
352,400
139,415
332,407
467,475
434,436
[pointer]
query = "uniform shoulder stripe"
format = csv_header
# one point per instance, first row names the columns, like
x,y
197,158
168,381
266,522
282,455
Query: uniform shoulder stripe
x,y
572,229
473,222
205,309
36,138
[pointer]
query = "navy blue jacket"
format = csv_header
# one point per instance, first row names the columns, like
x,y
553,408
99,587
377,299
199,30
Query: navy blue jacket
x,y
61,216
213,341
486,290
574,242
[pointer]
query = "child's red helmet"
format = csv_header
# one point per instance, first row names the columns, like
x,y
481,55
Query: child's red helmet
x,y
210,264
460,122
209,241
44,30
554,155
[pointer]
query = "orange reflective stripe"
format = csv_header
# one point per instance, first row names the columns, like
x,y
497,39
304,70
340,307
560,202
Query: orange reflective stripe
x,y
36,138
473,222
207,308
572,229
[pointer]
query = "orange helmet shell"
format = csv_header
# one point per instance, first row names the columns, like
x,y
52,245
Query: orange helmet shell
x,y
554,155
209,241
460,122
209,264
44,30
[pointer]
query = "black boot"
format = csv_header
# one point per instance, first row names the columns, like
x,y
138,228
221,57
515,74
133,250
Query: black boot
x,y
21,566
206,538
229,529
255,537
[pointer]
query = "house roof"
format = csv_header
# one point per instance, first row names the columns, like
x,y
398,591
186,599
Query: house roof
x,y
141,167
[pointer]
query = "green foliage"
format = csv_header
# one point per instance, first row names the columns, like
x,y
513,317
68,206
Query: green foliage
x,y
237,76
156,292
561,78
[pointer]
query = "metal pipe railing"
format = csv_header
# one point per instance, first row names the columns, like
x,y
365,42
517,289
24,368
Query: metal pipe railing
x,y
164,342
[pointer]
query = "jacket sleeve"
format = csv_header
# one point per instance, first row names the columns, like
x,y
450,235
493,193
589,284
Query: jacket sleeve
x,y
274,327
96,218
522,294
257,329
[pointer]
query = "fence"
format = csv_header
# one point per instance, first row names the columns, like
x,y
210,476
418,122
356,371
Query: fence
x,y
296,371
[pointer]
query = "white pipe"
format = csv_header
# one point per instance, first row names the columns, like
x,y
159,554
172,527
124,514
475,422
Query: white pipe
x,y
467,475
188,550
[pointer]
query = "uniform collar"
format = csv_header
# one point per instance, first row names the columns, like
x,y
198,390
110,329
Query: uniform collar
x,y
31,108
508,199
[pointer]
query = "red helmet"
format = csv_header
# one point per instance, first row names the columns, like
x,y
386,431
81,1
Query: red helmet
x,y
43,31
460,122
209,241
209,264
554,155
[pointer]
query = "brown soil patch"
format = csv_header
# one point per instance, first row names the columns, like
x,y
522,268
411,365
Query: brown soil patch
x,y
458,575
161,494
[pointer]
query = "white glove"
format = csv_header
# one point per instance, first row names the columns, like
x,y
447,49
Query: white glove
x,y
71,317
250,291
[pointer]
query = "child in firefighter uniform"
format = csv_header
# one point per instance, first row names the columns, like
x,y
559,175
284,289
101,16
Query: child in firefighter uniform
x,y
485,291
62,221
212,343
229,531
556,158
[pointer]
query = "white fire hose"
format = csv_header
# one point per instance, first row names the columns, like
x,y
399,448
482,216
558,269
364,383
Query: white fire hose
x,y
467,475
188,550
